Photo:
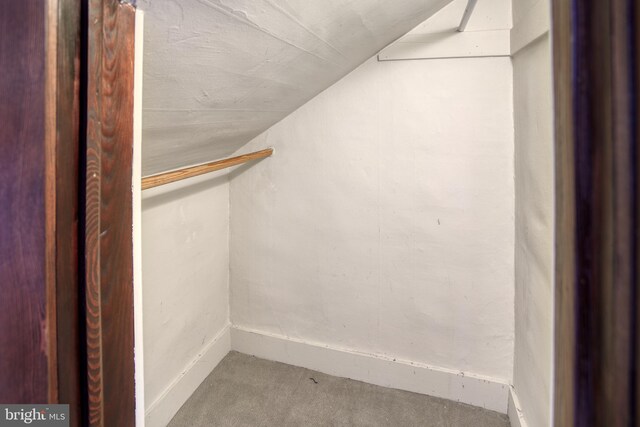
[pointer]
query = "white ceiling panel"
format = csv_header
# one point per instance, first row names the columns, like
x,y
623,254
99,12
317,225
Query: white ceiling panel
x,y
219,72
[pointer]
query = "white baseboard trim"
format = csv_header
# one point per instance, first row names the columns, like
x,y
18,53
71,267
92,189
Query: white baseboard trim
x,y
162,410
472,389
516,416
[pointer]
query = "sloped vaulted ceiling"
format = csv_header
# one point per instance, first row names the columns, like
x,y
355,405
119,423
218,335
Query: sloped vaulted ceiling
x,y
219,72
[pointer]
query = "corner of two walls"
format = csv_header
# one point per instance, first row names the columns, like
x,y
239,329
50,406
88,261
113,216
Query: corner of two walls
x,y
534,215
378,242
185,264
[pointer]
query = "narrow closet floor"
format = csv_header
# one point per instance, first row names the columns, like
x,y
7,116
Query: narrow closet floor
x,y
247,391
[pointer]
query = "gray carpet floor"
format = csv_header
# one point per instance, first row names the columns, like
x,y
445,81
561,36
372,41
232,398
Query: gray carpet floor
x,y
246,391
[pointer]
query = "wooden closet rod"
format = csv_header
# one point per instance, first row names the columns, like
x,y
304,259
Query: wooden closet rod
x,y
177,175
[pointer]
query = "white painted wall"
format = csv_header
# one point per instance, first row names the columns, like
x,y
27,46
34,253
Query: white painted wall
x,y
137,222
534,214
185,262
384,222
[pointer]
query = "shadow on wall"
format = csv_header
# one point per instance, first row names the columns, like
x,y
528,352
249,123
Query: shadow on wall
x,y
171,192
245,167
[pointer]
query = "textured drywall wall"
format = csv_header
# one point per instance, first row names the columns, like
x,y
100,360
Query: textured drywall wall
x,y
533,119
219,72
185,264
383,223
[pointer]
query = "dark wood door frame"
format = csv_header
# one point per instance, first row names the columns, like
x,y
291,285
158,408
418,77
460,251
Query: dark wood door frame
x,y
66,14
596,101
41,352
66,256
108,245
27,206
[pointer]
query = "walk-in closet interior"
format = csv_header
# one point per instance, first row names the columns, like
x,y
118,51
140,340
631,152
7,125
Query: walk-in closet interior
x,y
386,259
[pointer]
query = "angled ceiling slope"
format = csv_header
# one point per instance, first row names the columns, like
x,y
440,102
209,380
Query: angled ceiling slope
x,y
219,72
